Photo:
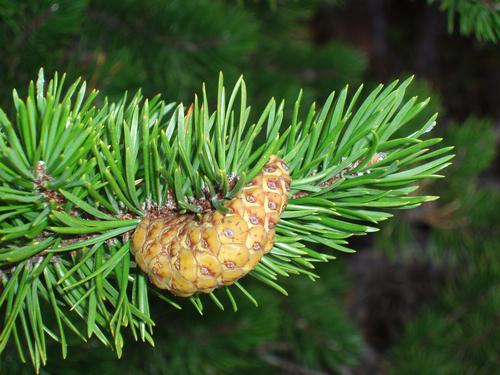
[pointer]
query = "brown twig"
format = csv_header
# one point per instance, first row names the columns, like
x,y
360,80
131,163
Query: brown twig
x,y
375,159
268,352
40,184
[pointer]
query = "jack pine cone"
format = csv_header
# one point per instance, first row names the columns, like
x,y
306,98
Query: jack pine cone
x,y
190,253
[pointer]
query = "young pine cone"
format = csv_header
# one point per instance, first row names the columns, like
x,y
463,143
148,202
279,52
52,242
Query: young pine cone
x,y
187,254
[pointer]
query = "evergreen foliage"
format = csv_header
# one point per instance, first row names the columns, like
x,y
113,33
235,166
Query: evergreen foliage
x,y
173,46
459,332
466,212
223,341
96,184
456,333
473,17
76,178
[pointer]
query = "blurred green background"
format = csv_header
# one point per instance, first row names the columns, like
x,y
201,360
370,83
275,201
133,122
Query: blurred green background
x,y
422,296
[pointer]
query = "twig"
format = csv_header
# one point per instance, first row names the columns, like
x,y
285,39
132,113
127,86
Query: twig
x,y
375,159
40,185
268,353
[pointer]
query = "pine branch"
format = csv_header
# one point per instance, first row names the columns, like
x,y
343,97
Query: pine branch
x,y
474,17
76,179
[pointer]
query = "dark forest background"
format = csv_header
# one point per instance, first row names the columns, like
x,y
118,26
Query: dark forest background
x,y
422,295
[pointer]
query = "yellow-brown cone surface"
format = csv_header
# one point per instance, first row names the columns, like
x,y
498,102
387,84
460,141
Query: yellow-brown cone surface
x,y
186,254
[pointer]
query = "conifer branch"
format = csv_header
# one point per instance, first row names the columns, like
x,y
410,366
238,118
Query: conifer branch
x,y
76,179
473,17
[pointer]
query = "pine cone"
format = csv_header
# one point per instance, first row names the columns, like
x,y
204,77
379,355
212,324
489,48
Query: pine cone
x,y
187,254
